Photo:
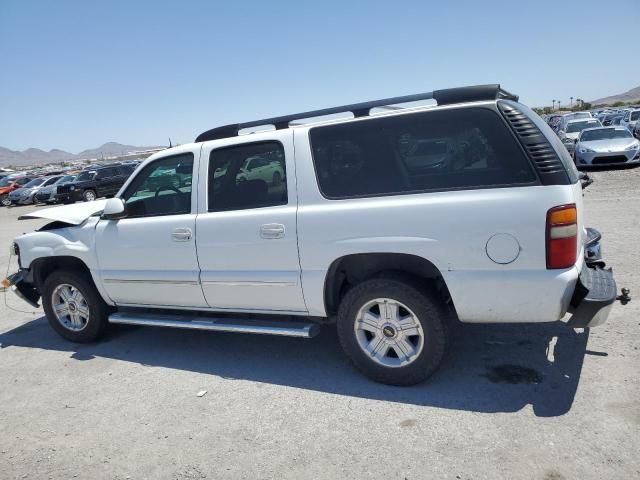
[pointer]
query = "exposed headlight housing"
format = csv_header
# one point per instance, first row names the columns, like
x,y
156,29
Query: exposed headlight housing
x,y
633,147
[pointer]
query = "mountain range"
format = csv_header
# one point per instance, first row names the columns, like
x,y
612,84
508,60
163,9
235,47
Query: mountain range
x,y
632,95
35,156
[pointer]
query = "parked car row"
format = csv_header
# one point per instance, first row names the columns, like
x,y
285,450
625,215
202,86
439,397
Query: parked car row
x,y
65,187
607,137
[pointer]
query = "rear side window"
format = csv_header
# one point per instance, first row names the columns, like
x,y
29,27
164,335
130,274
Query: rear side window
x,y
430,151
247,176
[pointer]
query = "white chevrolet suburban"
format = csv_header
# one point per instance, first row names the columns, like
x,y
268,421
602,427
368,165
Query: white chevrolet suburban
x,y
393,222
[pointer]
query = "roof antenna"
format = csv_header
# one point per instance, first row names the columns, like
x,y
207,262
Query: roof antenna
x,y
170,143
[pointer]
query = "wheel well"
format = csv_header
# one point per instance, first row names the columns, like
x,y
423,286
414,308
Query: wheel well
x,y
43,267
346,272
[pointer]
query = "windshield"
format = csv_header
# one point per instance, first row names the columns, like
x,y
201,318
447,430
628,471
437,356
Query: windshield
x,y
85,176
574,127
604,134
51,181
65,179
575,116
35,182
5,181
635,115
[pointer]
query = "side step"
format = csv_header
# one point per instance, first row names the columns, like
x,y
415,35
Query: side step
x,y
237,325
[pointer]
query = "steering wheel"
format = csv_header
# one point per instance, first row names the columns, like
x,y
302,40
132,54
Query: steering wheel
x,y
162,188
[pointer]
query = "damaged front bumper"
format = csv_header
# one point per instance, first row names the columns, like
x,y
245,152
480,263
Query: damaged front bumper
x,y
22,287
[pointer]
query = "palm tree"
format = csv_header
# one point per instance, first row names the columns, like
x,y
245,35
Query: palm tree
x,y
554,104
570,102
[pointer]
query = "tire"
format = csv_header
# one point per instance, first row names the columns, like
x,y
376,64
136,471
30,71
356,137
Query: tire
x,y
425,309
4,200
89,195
98,311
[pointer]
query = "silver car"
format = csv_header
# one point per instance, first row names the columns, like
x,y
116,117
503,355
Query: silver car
x,y
606,146
47,194
26,194
570,130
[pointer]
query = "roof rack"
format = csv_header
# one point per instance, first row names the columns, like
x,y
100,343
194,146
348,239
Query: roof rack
x,y
443,97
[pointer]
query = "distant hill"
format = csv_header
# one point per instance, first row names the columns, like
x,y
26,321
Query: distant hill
x,y
35,156
632,95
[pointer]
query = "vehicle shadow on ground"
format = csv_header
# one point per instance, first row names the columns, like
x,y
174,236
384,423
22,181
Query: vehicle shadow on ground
x,y
490,368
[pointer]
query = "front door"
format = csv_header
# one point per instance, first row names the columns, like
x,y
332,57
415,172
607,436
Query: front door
x,y
149,257
246,226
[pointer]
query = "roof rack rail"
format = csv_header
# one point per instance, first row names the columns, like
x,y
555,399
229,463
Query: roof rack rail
x,y
443,97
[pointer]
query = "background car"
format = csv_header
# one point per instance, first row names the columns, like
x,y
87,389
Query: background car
x,y
99,182
47,194
570,130
606,146
26,194
9,184
630,118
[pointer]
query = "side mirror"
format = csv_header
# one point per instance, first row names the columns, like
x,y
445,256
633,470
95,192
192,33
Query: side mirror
x,y
114,208
575,141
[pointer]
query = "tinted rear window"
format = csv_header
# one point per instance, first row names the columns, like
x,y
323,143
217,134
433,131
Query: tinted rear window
x,y
430,151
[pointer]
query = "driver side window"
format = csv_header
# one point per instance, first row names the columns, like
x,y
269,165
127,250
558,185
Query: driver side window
x,y
162,188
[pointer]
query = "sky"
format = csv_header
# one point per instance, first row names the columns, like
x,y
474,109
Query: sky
x,y
77,74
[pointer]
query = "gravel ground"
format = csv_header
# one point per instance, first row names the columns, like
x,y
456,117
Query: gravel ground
x,y
513,402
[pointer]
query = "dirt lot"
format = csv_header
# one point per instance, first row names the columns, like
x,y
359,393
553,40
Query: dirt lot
x,y
288,408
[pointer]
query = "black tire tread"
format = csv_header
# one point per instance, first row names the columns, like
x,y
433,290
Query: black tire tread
x,y
99,310
434,322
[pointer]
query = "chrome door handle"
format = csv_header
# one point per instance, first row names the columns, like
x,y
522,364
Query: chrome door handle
x,y
181,234
272,230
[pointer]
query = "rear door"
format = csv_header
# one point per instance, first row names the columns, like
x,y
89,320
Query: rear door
x,y
246,232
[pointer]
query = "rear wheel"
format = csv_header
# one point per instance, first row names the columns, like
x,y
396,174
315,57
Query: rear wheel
x,y
393,332
73,306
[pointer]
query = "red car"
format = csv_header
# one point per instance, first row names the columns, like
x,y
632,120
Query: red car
x,y
9,184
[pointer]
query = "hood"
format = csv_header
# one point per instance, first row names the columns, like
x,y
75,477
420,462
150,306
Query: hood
x,y
73,214
609,144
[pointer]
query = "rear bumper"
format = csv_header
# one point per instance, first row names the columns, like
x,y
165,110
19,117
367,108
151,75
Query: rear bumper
x,y
592,298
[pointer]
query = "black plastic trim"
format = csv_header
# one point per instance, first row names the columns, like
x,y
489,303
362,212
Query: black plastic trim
x,y
543,156
476,93
595,291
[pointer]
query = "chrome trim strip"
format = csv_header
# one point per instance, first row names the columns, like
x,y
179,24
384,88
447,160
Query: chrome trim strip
x,y
249,283
152,282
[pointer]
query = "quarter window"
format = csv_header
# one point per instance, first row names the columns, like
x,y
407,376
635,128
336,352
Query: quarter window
x,y
247,176
162,188
430,151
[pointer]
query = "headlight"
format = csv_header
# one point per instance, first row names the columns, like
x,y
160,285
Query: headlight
x,y
633,147
585,150
72,188
567,140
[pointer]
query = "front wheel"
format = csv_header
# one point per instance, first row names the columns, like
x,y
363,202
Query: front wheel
x,y
4,200
393,332
89,195
73,306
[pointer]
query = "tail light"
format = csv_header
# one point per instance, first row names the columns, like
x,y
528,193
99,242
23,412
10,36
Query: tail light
x,y
562,236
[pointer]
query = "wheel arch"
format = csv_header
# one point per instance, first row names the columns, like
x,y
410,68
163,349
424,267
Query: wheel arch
x,y
349,270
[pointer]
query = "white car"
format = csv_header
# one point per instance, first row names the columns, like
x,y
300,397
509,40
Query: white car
x,y
569,131
631,117
394,225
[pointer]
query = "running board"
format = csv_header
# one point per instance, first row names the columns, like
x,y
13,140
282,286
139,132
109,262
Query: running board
x,y
264,327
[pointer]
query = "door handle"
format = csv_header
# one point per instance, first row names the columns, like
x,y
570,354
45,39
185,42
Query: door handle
x,y
272,230
181,234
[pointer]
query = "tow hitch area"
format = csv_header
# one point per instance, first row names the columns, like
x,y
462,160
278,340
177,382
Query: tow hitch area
x,y
624,296
24,290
